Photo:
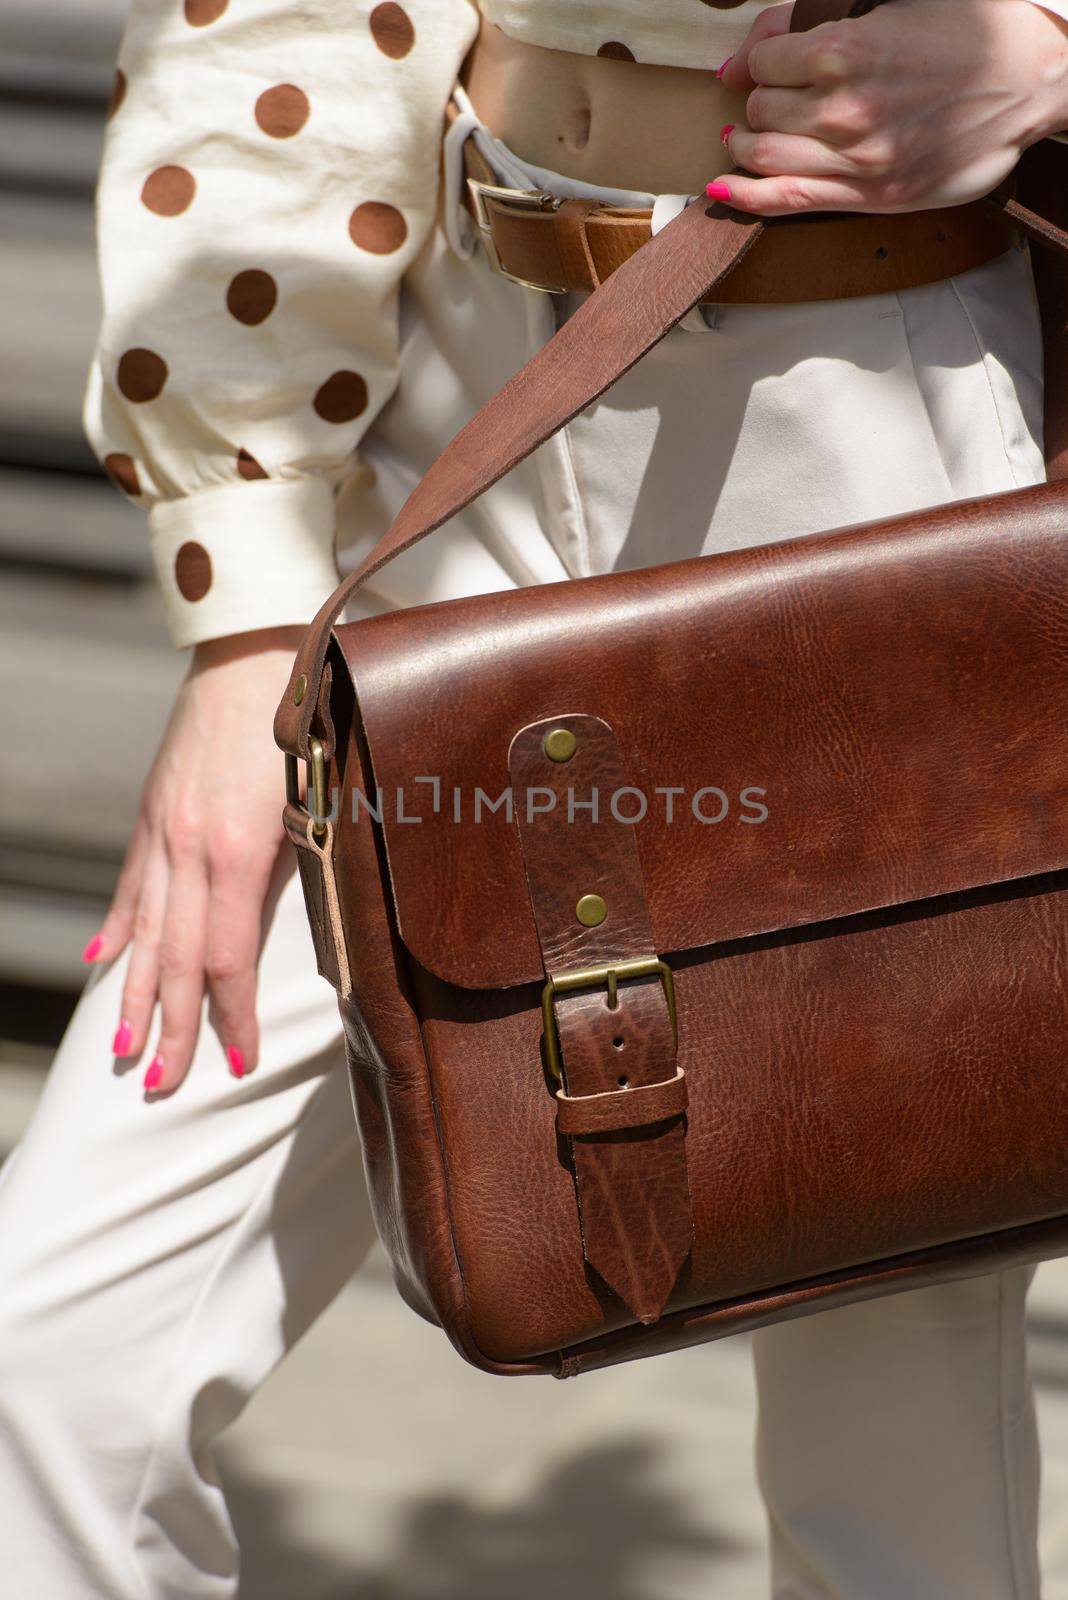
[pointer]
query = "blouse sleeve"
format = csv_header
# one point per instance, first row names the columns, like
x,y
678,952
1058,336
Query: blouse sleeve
x,y
270,170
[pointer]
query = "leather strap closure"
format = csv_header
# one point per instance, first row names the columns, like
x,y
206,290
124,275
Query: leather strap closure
x,y
623,1096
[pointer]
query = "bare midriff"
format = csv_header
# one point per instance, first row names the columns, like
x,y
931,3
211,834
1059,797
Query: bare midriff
x,y
655,129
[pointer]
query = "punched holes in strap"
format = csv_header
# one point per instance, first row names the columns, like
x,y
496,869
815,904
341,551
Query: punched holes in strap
x,y
608,1009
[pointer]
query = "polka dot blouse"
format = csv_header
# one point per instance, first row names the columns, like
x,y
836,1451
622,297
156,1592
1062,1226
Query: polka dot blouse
x,y
270,171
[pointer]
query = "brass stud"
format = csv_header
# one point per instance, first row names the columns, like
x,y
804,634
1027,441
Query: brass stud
x,y
591,910
559,744
300,689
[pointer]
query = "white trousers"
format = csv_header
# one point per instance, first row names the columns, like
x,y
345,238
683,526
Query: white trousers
x,y
157,1260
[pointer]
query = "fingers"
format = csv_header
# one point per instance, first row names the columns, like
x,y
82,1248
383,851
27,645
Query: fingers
x,y
142,974
785,196
181,969
814,141
769,154
846,117
116,930
775,21
823,57
238,888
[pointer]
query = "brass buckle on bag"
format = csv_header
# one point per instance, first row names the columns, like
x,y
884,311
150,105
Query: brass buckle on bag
x,y
516,200
591,978
316,784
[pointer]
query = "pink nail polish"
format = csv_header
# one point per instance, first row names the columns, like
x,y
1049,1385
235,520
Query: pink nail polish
x,y
717,191
726,131
721,70
121,1042
154,1073
93,948
236,1060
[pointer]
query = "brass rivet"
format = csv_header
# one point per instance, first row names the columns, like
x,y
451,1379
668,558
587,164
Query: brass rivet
x,y
300,689
559,744
591,910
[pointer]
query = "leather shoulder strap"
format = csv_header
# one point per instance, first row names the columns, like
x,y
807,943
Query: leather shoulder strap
x,y
612,329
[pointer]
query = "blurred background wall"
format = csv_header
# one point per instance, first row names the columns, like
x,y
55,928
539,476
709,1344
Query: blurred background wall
x,y
85,668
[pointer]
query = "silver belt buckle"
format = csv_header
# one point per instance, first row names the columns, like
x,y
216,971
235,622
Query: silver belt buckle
x,y
518,200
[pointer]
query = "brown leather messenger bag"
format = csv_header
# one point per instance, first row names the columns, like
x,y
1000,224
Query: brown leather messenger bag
x,y
743,989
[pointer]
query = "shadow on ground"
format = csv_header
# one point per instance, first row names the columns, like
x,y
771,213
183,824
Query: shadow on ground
x,y
598,1525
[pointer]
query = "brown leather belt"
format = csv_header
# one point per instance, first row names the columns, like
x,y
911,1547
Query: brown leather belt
x,y
557,246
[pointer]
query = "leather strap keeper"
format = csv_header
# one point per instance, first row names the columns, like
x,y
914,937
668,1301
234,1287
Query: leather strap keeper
x,y
621,1108
574,245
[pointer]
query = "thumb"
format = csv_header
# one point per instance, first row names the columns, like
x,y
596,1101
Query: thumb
x,y
769,25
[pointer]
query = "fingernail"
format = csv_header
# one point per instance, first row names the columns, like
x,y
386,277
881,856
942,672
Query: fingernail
x,y
721,70
93,948
154,1073
726,131
717,191
236,1060
121,1042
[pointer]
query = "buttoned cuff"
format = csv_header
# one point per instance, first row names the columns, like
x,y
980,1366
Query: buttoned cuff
x,y
236,558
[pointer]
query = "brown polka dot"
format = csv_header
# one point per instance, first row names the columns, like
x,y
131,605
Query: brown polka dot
x,y
141,375
249,467
169,190
192,571
198,13
392,30
615,51
377,227
342,397
118,92
723,5
251,296
122,470
283,110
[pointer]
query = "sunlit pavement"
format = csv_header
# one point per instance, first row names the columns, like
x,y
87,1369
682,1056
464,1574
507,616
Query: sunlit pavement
x,y
376,1465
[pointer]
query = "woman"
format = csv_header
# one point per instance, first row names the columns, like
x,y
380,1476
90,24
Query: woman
x,y
271,178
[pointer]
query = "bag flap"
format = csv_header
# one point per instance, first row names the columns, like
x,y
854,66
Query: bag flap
x,y
899,692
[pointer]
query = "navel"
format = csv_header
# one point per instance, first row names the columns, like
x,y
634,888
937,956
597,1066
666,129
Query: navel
x,y
577,134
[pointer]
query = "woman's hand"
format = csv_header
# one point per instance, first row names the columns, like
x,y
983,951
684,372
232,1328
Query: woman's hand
x,y
191,894
921,103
